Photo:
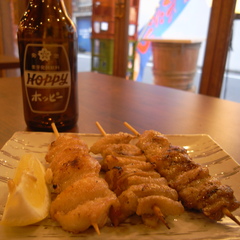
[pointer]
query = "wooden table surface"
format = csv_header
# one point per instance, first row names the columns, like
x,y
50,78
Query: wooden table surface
x,y
112,100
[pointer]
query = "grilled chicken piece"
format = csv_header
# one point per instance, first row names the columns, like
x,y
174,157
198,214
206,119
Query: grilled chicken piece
x,y
118,176
123,150
84,203
176,163
167,205
196,188
111,161
65,141
70,166
130,198
131,185
134,180
117,138
152,143
83,199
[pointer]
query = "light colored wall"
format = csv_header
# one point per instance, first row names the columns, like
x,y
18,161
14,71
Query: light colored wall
x,y
193,23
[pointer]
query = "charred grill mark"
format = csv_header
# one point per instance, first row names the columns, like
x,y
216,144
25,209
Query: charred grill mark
x,y
75,162
197,189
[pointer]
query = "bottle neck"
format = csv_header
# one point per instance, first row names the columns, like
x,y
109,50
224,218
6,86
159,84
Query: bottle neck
x,y
45,11
46,4
47,18
46,1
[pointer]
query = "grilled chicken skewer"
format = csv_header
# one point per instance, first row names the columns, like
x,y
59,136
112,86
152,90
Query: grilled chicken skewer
x,y
196,188
140,189
142,192
83,198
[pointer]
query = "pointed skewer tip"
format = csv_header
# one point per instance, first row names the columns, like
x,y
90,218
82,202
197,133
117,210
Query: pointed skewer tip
x,y
95,226
230,215
159,214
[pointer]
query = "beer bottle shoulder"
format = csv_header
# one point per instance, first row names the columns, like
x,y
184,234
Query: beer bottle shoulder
x,y
53,22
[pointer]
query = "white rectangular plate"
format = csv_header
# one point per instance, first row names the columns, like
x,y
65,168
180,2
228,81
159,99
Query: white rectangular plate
x,y
188,226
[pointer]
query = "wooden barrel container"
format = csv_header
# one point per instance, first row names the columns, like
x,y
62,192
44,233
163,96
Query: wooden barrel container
x,y
174,63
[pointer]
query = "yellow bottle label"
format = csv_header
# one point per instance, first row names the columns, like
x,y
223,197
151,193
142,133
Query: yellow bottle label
x,y
47,78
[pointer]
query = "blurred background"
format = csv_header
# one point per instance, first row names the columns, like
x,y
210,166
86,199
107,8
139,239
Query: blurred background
x,y
186,19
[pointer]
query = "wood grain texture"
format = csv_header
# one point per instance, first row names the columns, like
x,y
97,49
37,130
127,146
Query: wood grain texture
x,y
112,100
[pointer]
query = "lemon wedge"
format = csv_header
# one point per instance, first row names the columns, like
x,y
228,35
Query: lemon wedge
x,y
29,198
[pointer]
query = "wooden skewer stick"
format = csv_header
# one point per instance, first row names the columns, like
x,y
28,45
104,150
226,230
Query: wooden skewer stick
x,y
225,211
54,128
95,226
49,173
230,215
160,215
133,130
101,129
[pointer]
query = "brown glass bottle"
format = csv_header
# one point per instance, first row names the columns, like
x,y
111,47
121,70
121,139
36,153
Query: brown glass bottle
x,y
47,42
